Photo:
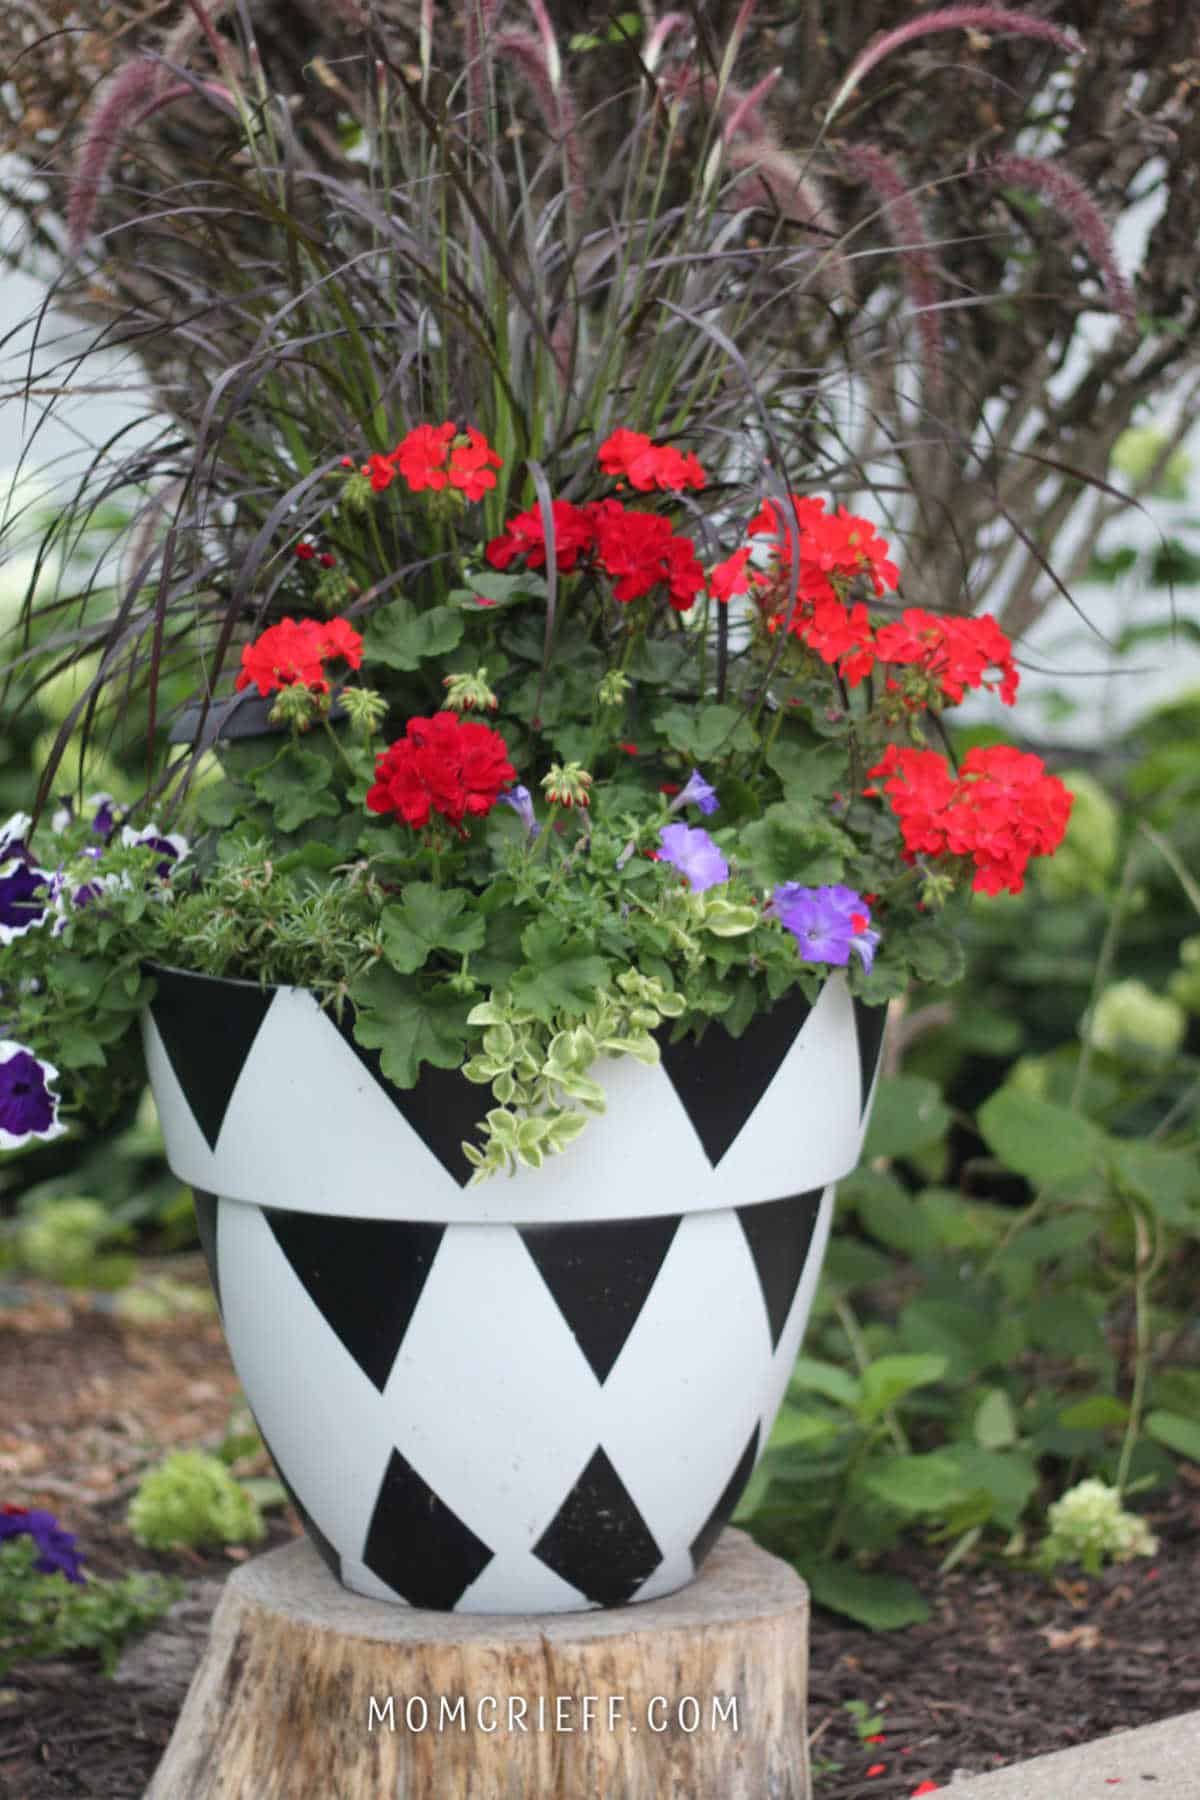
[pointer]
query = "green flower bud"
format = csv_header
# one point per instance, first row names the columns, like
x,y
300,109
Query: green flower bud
x,y
1089,1524
365,709
567,784
357,492
298,707
465,692
613,688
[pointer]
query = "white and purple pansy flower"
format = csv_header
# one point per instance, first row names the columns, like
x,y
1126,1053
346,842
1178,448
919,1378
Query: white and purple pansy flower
x,y
694,854
24,894
13,835
171,845
28,1102
826,922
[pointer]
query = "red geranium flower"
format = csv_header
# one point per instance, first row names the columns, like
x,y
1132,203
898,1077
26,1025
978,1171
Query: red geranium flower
x,y
471,464
640,550
295,652
646,465
446,765
731,576
421,456
525,536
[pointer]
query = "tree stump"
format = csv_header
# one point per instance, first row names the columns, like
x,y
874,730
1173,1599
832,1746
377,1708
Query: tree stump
x,y
308,1690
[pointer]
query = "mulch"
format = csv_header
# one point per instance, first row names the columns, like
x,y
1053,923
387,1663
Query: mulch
x,y
1010,1666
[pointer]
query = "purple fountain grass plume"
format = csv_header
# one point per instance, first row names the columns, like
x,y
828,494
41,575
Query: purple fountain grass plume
x,y
549,42
658,36
479,17
1071,200
741,110
134,94
998,19
555,103
205,20
177,46
773,180
906,228
120,102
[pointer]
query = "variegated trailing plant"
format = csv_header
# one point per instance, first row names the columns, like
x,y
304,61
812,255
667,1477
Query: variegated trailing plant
x,y
481,436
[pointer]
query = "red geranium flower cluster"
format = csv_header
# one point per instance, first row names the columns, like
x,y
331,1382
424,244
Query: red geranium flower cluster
x,y
446,765
638,550
295,652
645,465
438,456
831,545
1001,809
957,653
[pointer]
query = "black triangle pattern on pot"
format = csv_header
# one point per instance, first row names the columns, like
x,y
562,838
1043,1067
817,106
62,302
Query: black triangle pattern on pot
x,y
206,1227
598,1540
417,1546
321,1543
869,1023
443,1108
208,1029
600,1275
721,1080
365,1276
779,1233
731,1493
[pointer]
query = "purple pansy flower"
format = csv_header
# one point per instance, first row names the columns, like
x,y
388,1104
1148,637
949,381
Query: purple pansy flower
x,y
521,801
104,822
23,897
694,854
170,845
698,792
56,1548
826,922
28,1104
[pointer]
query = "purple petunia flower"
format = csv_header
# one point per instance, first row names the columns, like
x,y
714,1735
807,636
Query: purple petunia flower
x,y
105,821
13,834
826,922
521,801
171,846
28,1104
694,854
698,792
23,897
56,1548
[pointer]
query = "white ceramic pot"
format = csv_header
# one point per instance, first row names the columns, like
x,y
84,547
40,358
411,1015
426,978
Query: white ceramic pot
x,y
541,1394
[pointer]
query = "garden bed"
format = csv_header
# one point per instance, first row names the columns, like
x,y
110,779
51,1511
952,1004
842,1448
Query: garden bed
x,y
1010,1666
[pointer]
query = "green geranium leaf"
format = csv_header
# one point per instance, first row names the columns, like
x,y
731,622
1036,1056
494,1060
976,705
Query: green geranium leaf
x,y
403,638
909,1114
807,771
498,590
1047,1144
296,788
409,1025
562,973
699,732
794,841
428,919
880,1602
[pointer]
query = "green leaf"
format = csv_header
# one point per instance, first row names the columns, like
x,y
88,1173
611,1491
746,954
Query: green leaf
x,y
908,1115
1176,1432
296,788
807,771
402,638
888,1378
1168,1181
220,803
1099,1412
1067,1325
880,1602
500,589
793,1428
699,732
429,918
917,1484
1008,1477
409,1025
888,1213
561,974
1047,1144
954,1329
814,1377
795,841
995,1422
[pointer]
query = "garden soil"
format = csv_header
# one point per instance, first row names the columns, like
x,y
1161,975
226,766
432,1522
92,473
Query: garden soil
x,y
1010,1666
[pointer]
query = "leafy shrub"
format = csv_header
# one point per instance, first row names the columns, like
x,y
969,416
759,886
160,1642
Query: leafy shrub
x,y
45,1615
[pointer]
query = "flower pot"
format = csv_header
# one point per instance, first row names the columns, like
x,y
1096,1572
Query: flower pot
x,y
541,1394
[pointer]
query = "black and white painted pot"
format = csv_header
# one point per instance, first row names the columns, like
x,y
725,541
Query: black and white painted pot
x,y
540,1394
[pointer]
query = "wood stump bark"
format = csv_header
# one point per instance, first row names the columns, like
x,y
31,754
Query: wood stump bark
x,y
308,1692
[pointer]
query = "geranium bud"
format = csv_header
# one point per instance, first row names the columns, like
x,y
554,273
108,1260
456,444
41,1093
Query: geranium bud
x,y
567,785
466,692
